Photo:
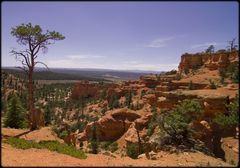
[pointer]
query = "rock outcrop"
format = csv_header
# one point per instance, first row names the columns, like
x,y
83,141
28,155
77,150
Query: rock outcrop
x,y
230,147
112,126
150,81
211,104
211,61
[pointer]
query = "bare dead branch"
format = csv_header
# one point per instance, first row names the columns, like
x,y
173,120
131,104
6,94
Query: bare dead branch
x,y
27,51
23,68
38,62
22,55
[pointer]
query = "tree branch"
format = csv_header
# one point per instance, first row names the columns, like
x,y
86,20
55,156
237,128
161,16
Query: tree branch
x,y
22,55
38,62
34,53
23,68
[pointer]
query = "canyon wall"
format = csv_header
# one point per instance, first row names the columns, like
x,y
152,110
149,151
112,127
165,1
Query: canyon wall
x,y
212,61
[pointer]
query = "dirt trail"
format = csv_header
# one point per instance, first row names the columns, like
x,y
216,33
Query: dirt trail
x,y
43,157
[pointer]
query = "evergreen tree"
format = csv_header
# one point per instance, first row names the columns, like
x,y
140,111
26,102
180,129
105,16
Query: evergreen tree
x,y
113,101
129,99
93,141
190,85
15,117
176,123
47,116
210,49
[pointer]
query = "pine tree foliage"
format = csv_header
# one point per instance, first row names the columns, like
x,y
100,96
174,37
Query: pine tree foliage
x,y
15,117
232,117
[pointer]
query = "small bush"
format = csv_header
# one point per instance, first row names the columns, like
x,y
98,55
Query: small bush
x,y
178,76
56,130
212,85
151,128
113,146
172,72
143,93
190,85
79,126
109,146
63,134
132,150
186,71
232,117
104,110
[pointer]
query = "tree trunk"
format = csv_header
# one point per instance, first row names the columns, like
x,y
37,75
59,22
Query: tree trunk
x,y
32,115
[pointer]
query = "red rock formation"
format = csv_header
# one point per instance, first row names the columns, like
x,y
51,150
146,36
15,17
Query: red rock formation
x,y
150,99
112,126
149,80
211,61
204,133
211,104
85,89
230,146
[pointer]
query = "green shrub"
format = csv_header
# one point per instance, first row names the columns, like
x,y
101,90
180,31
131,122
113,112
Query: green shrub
x,y
109,146
50,145
104,110
16,114
176,122
63,148
56,130
22,143
190,85
113,146
186,70
212,85
113,101
232,117
172,72
47,116
132,150
128,97
151,127
79,126
63,134
232,72
153,122
178,76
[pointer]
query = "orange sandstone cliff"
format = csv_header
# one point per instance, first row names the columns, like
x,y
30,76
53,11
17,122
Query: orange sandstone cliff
x,y
212,61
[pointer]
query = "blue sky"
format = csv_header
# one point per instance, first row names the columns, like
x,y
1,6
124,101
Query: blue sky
x,y
122,35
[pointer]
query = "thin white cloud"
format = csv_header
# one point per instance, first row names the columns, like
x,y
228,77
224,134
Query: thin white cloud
x,y
161,42
207,44
84,56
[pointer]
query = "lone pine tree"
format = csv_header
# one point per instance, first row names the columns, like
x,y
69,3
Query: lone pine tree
x,y
34,40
